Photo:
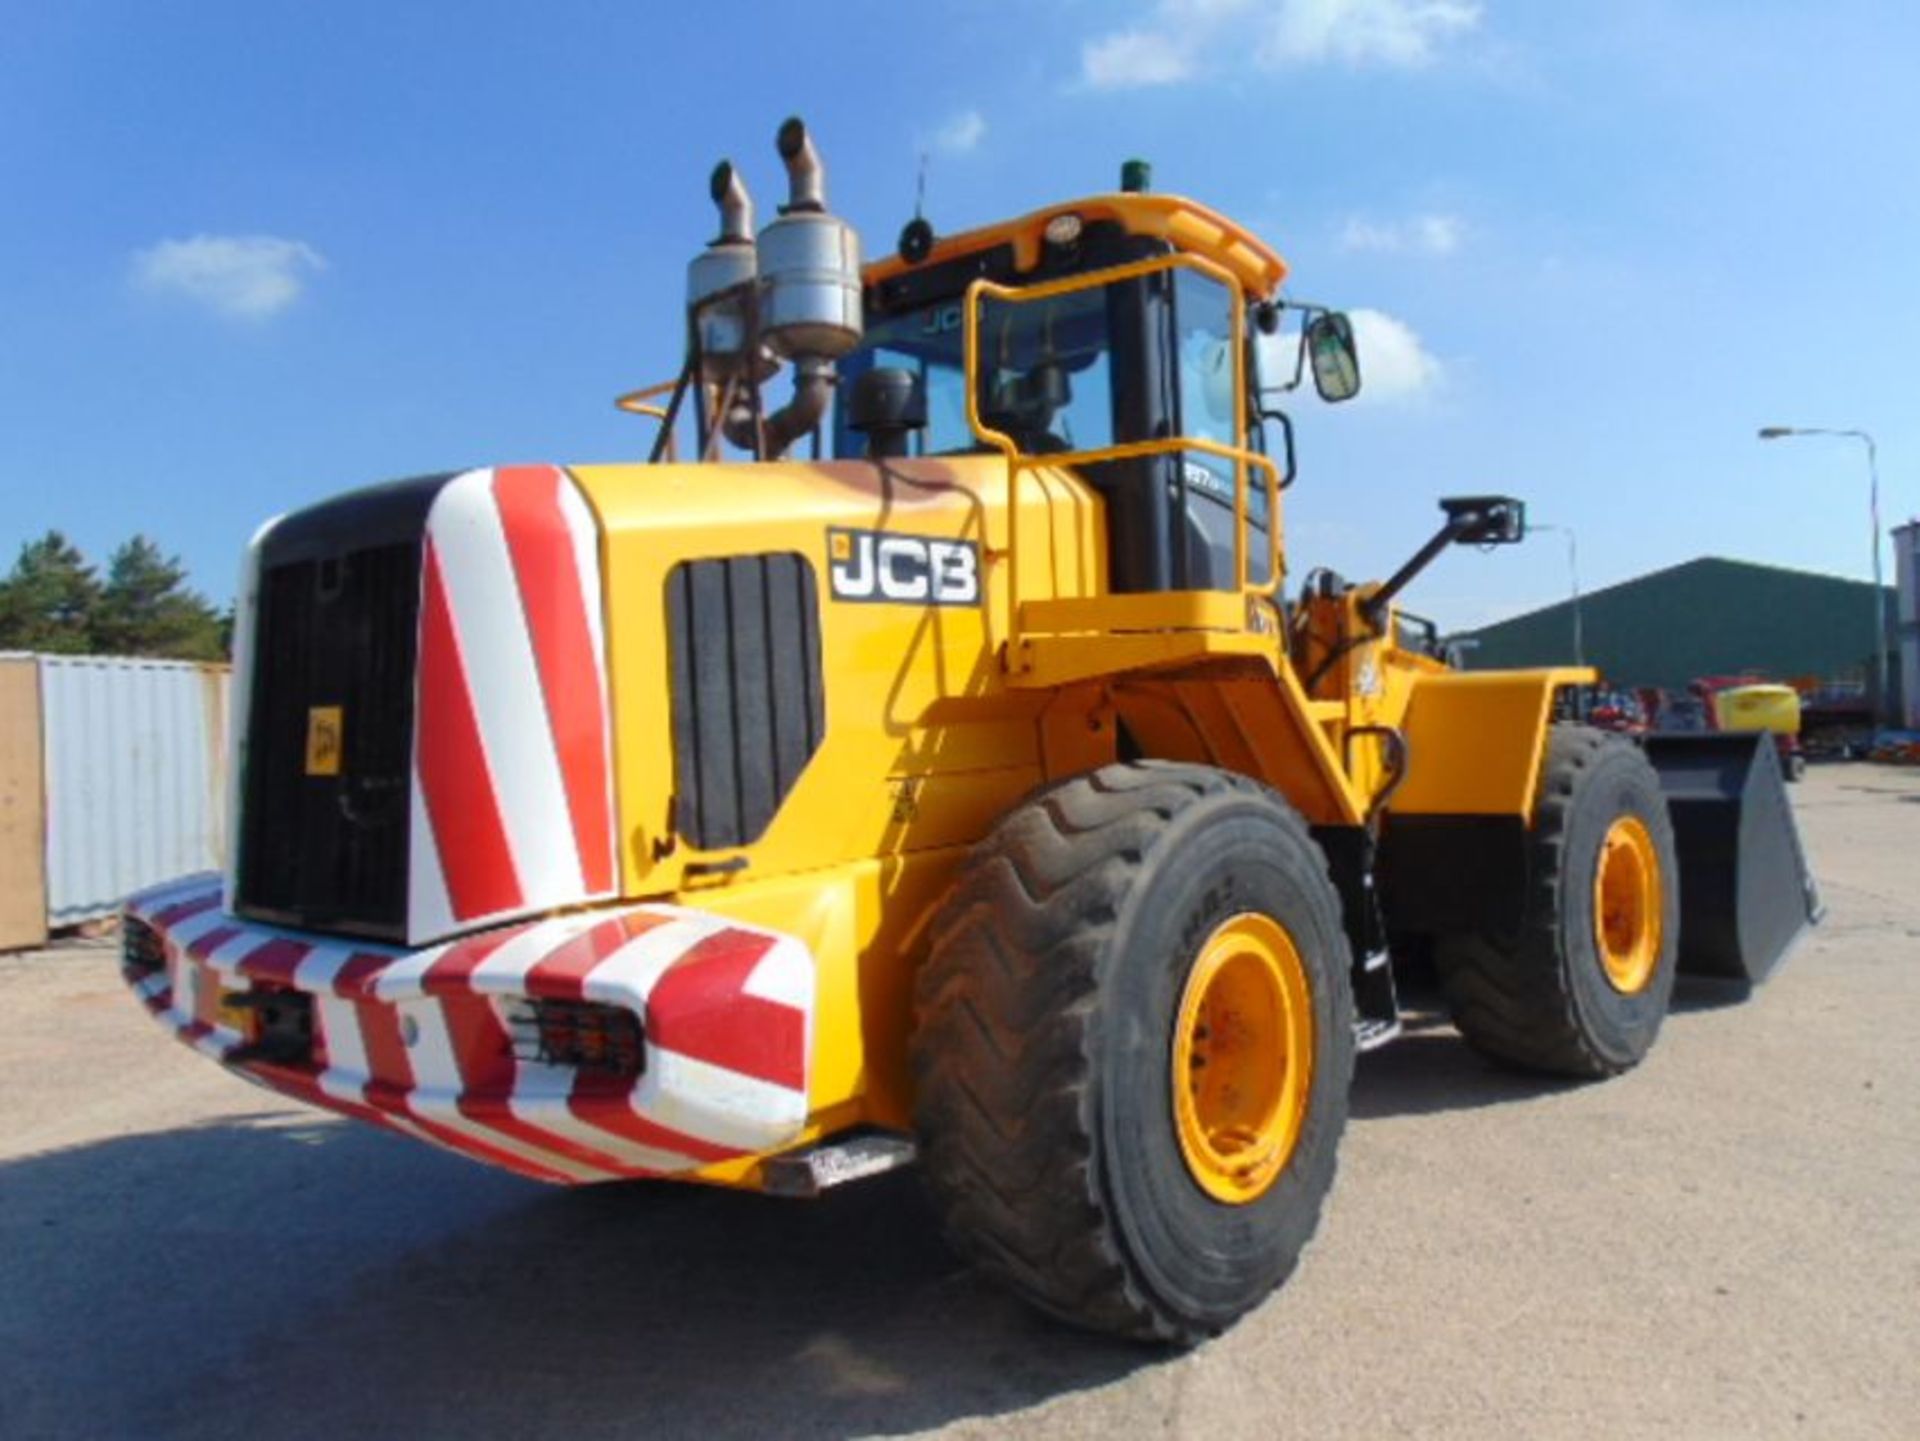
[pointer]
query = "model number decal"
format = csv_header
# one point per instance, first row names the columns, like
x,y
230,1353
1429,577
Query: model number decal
x,y
885,565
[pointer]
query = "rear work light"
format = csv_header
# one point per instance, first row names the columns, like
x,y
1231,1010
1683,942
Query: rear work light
x,y
278,1024
142,951
583,1034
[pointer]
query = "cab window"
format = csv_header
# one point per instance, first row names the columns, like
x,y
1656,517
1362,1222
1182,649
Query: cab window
x,y
1203,317
927,344
1045,379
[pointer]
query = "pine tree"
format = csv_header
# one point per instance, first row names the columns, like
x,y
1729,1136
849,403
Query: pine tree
x,y
47,601
147,609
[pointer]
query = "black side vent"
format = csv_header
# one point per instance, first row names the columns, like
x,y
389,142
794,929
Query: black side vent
x,y
748,709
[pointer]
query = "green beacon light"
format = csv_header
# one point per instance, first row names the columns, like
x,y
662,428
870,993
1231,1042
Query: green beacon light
x,y
1136,177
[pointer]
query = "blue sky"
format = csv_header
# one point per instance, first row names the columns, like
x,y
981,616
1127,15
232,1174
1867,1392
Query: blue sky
x,y
255,253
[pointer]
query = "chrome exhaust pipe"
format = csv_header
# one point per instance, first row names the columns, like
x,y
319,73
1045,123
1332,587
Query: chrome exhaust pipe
x,y
810,292
806,266
729,192
729,263
806,177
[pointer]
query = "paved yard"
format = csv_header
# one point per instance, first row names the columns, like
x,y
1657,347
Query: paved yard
x,y
1724,1243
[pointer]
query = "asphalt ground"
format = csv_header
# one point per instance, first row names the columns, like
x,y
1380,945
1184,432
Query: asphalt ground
x,y
1724,1243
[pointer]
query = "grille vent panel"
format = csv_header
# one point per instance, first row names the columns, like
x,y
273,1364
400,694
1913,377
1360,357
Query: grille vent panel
x,y
331,851
748,705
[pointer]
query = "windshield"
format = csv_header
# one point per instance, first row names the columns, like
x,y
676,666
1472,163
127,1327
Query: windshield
x,y
1046,377
1147,357
927,344
1045,374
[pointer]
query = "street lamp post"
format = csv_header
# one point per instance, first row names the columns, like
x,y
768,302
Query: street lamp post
x,y
1782,432
1573,576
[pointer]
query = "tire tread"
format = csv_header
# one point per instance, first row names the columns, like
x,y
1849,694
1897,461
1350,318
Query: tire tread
x,y
1006,1007
1514,1000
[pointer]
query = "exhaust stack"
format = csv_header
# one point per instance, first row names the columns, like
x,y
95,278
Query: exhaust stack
x,y
729,262
806,176
736,206
809,279
809,264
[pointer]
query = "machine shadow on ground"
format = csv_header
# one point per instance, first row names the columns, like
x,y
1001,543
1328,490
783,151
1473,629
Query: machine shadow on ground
x,y
314,1280
1429,1069
303,1275
1708,993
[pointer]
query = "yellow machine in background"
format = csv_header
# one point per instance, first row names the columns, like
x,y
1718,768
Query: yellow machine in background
x,y
986,791
1760,707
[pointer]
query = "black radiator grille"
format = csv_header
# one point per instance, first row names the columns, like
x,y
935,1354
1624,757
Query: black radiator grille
x,y
748,710
330,851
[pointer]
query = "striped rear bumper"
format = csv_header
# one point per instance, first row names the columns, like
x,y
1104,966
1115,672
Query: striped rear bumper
x,y
420,1041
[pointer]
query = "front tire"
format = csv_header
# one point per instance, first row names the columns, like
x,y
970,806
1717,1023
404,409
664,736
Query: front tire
x,y
1582,987
1133,1048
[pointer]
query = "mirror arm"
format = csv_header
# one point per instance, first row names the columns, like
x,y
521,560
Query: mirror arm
x,y
1482,519
1300,350
1308,311
1374,607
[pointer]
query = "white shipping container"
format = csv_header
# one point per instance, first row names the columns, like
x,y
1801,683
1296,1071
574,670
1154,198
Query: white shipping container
x,y
135,777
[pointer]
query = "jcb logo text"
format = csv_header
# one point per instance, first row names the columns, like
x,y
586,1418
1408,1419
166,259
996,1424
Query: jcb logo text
x,y
883,565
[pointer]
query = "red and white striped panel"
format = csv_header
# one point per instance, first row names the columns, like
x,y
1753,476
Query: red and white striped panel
x,y
421,1041
512,806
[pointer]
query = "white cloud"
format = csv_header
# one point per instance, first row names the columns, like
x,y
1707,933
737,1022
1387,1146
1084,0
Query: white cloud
x,y
1421,235
1395,363
1396,34
1404,34
961,133
1133,58
243,277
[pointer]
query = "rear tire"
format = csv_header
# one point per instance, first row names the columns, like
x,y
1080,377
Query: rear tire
x,y
1048,1049
1580,989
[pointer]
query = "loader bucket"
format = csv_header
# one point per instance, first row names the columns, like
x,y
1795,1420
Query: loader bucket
x,y
1745,891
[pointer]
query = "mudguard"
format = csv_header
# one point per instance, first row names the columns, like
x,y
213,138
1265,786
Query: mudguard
x,y
1746,894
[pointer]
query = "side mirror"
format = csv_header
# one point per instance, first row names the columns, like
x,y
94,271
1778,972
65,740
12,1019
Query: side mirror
x,y
1336,359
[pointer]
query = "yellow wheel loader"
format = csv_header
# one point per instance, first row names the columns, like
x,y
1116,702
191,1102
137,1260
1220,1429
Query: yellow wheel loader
x,y
940,764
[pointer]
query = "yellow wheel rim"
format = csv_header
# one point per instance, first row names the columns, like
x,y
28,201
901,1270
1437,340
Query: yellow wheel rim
x,y
1242,1058
1627,913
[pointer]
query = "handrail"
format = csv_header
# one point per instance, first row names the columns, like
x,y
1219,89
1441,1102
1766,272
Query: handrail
x,y
634,402
631,401
1239,453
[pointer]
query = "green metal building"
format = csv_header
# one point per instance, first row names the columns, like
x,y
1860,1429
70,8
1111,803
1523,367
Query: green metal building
x,y
1710,616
